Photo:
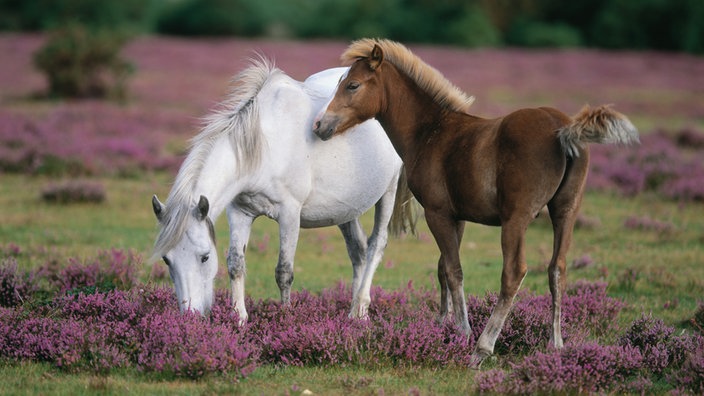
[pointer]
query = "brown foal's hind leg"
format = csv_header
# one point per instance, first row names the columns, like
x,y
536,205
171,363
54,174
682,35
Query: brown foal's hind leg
x,y
447,232
563,207
445,303
514,270
562,228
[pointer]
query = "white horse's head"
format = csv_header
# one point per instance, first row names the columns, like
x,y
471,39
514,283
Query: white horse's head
x,y
191,256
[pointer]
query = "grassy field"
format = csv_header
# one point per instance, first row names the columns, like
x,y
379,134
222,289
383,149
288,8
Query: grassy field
x,y
655,269
653,272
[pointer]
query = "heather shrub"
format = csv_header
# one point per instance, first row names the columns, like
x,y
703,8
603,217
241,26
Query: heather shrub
x,y
583,261
586,311
98,329
10,250
690,138
587,308
74,191
15,287
87,138
660,348
669,165
79,62
114,269
186,345
698,319
420,340
646,223
689,379
312,330
584,368
66,343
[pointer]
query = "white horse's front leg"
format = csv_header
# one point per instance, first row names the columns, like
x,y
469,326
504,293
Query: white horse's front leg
x,y
375,250
289,227
356,242
240,227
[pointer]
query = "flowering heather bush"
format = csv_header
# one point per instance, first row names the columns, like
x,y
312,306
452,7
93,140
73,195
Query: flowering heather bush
x,y
10,250
672,166
698,319
645,223
583,261
86,138
15,287
689,379
74,191
660,348
114,269
91,328
187,345
313,330
584,368
586,310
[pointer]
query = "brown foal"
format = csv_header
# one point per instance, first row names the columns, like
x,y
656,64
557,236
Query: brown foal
x,y
460,167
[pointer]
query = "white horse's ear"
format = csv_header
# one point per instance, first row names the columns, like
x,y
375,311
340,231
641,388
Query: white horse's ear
x,y
203,208
376,57
158,207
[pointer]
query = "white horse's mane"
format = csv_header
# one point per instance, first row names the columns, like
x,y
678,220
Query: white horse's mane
x,y
238,117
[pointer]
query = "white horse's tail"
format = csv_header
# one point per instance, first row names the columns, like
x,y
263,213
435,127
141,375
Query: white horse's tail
x,y
596,125
405,214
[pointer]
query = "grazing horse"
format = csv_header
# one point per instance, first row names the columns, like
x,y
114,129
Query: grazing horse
x,y
257,155
460,167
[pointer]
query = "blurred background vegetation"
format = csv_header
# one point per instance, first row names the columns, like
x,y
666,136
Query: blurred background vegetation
x,y
672,25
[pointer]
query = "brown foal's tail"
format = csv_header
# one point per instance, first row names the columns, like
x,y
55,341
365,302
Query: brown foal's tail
x,y
596,125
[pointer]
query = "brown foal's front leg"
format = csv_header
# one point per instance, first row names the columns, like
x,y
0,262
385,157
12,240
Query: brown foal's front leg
x,y
447,233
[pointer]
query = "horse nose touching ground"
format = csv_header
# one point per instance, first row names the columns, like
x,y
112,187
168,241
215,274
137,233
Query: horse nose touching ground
x,y
460,167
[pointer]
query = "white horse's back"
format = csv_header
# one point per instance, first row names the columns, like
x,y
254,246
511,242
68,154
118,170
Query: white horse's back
x,y
338,180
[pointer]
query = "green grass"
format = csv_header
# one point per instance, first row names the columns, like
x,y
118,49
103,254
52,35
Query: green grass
x,y
658,273
34,378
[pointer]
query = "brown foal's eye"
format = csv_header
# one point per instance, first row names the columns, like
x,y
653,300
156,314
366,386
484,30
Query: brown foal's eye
x,y
352,85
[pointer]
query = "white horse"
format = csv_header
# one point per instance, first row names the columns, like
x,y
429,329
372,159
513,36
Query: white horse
x,y
256,155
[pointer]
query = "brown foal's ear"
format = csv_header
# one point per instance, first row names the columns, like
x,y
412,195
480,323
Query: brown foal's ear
x,y
376,57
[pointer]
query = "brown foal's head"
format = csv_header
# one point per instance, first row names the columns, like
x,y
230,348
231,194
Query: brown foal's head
x,y
358,97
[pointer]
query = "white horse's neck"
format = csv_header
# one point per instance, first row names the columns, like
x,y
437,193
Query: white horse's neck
x,y
219,179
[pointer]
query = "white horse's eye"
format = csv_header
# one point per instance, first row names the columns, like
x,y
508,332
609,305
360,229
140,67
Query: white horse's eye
x,y
204,258
166,261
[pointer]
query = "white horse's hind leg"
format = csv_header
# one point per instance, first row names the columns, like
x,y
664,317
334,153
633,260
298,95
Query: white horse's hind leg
x,y
289,228
375,249
356,242
240,227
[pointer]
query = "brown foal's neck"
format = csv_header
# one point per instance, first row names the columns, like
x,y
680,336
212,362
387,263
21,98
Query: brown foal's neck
x,y
408,114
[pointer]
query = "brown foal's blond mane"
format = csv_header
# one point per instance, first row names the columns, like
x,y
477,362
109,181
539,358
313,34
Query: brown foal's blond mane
x,y
427,77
